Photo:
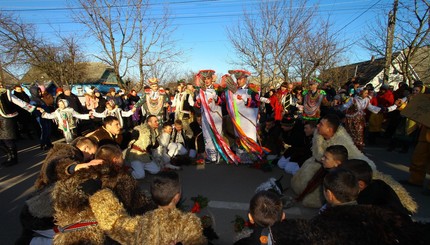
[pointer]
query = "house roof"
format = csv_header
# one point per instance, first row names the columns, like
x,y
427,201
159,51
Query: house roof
x,y
363,71
95,72
421,63
9,79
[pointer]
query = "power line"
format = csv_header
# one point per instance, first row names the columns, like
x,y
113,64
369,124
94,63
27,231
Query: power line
x,y
358,16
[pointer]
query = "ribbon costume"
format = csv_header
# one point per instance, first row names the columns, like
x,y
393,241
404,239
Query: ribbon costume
x,y
210,104
242,102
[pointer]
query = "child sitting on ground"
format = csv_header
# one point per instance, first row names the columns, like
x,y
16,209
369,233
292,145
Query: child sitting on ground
x,y
265,209
179,140
164,140
374,192
340,188
162,226
312,192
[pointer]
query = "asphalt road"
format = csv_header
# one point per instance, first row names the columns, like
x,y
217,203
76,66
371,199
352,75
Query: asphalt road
x,y
228,188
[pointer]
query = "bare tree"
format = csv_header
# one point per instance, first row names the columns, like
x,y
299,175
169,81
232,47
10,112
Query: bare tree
x,y
319,49
280,38
20,44
157,52
411,35
292,22
112,23
250,40
128,35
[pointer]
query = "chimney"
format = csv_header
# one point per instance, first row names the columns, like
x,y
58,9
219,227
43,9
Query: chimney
x,y
372,59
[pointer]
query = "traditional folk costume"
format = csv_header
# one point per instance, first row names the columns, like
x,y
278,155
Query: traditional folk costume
x,y
169,150
37,215
280,101
76,223
7,123
65,119
143,153
160,226
351,224
210,104
384,98
114,111
355,121
302,177
312,101
154,101
183,103
242,106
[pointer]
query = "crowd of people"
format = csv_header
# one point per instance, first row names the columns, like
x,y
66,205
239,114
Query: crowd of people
x,y
87,189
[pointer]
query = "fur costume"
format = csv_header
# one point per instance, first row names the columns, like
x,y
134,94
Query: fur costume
x,y
349,224
55,165
405,198
72,207
300,180
158,227
37,213
357,224
102,136
141,152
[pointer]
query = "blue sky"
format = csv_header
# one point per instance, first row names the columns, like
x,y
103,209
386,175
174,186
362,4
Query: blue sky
x,y
201,24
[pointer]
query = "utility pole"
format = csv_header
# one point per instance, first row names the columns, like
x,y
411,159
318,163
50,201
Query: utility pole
x,y
389,42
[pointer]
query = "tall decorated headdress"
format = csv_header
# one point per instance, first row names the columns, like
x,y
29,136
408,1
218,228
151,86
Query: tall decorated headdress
x,y
239,73
153,81
203,74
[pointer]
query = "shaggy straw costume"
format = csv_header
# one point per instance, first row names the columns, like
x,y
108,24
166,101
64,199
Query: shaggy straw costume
x,y
37,213
71,203
158,227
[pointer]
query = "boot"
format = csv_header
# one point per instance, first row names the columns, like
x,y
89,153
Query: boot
x,y
12,157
